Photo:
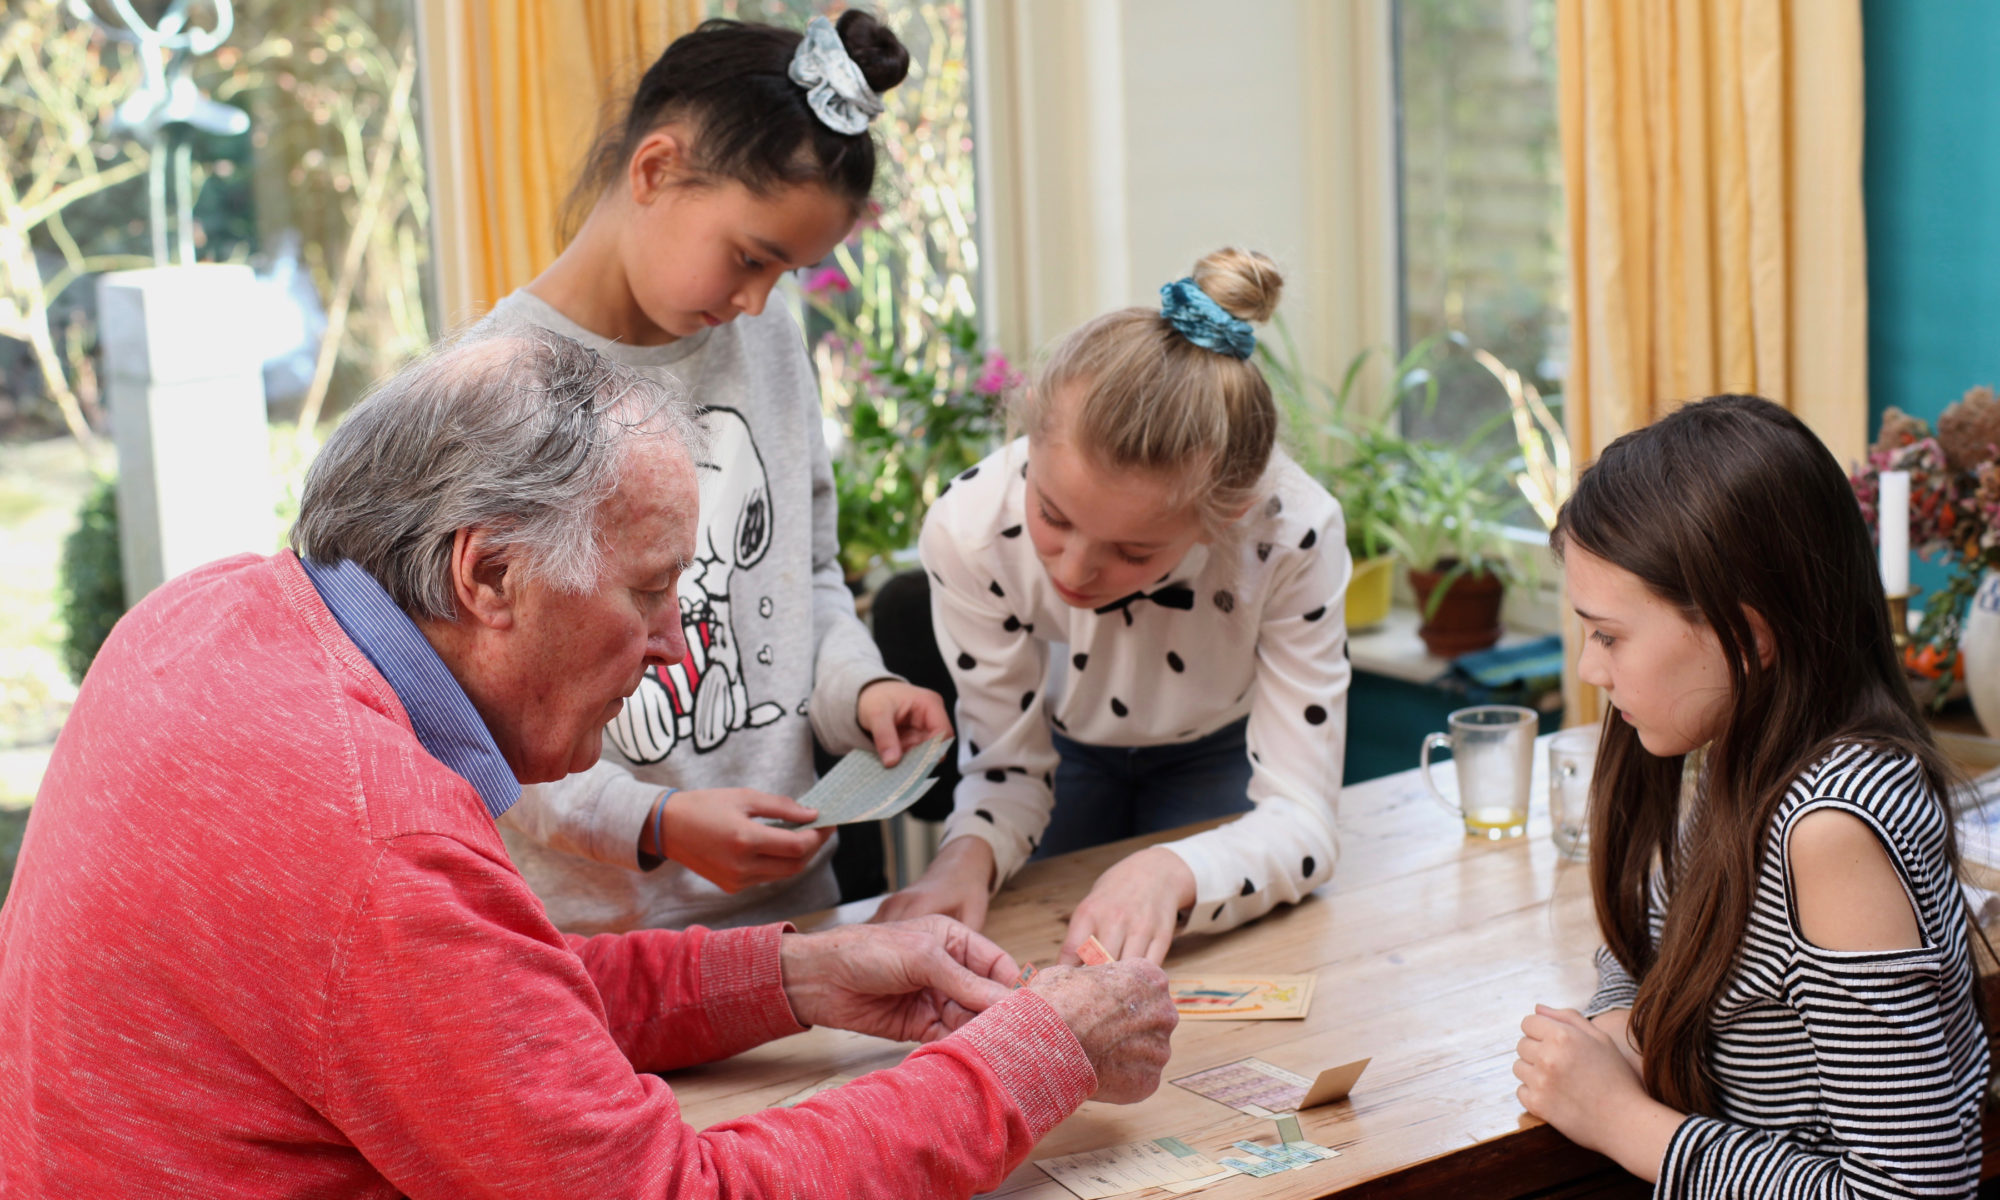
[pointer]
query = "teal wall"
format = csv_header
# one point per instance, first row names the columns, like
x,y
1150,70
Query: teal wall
x,y
1932,181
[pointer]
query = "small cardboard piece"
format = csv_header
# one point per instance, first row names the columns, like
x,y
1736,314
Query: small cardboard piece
x,y
1334,1083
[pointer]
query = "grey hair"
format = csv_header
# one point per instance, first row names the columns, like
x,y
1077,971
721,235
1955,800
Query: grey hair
x,y
522,435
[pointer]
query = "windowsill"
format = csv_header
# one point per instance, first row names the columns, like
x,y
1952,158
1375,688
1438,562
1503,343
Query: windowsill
x,y
1391,648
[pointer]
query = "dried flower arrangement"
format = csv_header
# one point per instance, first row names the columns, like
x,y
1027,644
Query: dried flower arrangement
x,y
1954,511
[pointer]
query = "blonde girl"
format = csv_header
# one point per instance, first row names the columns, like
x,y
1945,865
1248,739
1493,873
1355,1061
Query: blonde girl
x,y
1785,1001
1141,602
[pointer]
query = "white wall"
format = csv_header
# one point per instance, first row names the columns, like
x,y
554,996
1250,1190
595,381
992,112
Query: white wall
x,y
1123,139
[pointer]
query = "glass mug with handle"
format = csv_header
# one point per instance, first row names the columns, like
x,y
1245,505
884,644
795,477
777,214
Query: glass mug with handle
x,y
1493,750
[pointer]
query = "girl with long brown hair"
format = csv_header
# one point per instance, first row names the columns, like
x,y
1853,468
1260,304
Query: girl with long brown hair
x,y
1785,1002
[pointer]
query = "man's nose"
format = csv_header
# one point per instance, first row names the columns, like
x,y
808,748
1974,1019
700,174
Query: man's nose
x,y
667,644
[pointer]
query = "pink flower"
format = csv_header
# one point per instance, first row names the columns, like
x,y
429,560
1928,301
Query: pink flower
x,y
997,376
828,279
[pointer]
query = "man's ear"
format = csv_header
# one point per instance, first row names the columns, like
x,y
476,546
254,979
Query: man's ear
x,y
659,162
480,582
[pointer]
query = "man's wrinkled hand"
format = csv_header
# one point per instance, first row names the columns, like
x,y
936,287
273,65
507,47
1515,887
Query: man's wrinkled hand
x,y
913,981
1122,1014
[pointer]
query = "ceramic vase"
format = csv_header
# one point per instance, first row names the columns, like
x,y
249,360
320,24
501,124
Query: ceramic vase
x,y
1979,648
1370,591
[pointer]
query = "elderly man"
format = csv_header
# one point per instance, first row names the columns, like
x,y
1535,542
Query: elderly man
x,y
265,940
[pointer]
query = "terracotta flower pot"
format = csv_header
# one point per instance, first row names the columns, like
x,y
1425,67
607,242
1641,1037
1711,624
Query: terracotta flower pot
x,y
1467,618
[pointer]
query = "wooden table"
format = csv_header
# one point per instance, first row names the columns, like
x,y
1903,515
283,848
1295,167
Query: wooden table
x,y
1430,947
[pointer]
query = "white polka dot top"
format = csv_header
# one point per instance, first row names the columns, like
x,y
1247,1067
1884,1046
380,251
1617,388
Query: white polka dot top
x,y
1255,625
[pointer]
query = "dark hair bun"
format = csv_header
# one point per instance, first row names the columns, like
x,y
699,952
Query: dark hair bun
x,y
875,48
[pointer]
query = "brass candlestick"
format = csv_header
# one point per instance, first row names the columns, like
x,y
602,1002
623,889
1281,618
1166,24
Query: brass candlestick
x,y
1899,624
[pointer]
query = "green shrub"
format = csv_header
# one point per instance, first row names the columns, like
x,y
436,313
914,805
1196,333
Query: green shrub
x,y
91,580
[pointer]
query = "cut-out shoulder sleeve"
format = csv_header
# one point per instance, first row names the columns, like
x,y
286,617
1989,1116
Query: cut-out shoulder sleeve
x,y
1846,1072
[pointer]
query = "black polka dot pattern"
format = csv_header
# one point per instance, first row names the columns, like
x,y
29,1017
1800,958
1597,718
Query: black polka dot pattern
x,y
1078,660
1311,537
966,662
974,747
1263,551
1256,758
994,587
1011,531
1011,624
1306,867
1316,613
968,473
996,776
1315,715
1058,723
937,579
1118,706
983,815
1226,601
1217,914
1249,889
1273,506
1024,470
1174,661
1027,698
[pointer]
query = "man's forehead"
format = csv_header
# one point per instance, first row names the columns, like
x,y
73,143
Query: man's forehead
x,y
655,509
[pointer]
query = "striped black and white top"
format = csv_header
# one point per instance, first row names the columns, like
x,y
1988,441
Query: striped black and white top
x,y
1841,1073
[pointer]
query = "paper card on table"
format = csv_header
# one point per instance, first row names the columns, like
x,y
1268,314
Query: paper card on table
x,y
860,788
1334,1083
1249,1085
1115,1170
1260,1160
1242,998
1288,1129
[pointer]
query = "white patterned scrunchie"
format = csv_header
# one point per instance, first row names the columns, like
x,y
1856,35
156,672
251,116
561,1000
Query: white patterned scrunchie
x,y
835,88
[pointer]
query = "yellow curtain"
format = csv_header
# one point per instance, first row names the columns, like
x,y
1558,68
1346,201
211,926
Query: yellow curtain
x,y
1712,167
518,91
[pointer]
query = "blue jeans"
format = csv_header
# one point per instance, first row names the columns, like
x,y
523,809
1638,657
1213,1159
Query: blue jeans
x,y
1104,793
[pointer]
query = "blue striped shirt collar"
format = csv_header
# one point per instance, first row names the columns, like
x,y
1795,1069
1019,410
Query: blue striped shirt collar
x,y
440,713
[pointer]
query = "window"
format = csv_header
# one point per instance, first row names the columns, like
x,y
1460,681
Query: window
x,y
909,397
1480,188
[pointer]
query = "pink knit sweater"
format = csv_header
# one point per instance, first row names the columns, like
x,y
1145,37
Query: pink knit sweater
x,y
262,944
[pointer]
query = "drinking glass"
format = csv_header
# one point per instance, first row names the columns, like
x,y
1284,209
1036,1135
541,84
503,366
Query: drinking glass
x,y
1572,759
1493,749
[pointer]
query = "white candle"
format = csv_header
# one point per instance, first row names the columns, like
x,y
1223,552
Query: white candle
x,y
1893,516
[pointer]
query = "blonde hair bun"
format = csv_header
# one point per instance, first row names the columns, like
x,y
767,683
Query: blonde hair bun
x,y
1245,283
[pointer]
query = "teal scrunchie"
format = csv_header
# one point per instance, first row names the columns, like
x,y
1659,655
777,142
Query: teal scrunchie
x,y
1196,316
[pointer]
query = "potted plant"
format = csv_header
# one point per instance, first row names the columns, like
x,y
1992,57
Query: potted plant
x,y
1358,459
1459,558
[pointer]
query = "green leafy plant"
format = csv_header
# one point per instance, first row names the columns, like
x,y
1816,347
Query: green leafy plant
x,y
1433,504
909,429
90,581
1358,458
